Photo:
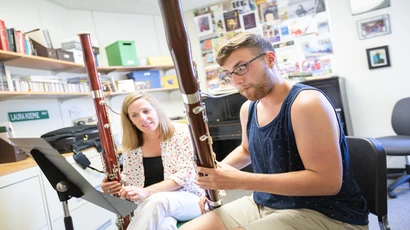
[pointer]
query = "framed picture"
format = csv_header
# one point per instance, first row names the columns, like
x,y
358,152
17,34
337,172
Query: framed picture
x,y
204,24
378,57
373,27
360,6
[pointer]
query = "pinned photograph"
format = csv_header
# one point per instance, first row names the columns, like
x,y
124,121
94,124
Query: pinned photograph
x,y
378,57
269,11
301,8
249,21
320,6
218,21
231,19
204,24
373,27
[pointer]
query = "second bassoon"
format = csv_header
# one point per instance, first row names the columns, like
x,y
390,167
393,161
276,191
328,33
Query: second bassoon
x,y
180,49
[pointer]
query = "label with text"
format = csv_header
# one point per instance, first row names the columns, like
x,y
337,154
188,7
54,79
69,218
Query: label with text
x,y
28,115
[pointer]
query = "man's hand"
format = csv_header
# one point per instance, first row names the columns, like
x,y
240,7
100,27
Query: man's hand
x,y
222,177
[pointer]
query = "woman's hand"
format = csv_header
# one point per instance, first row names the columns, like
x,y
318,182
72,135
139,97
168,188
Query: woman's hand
x,y
203,204
110,187
133,193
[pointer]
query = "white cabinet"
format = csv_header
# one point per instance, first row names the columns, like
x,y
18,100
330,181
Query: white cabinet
x,y
28,201
22,201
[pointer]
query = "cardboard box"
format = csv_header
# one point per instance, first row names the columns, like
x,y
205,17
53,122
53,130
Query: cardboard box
x,y
10,153
122,53
43,51
160,61
78,56
65,55
170,82
151,76
125,86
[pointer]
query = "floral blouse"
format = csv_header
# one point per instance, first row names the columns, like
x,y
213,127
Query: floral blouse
x,y
177,159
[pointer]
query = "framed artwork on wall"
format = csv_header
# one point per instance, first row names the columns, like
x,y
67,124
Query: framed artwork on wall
x,y
363,6
378,57
373,27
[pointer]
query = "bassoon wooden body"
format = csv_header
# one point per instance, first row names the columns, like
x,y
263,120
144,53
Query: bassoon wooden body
x,y
180,49
109,155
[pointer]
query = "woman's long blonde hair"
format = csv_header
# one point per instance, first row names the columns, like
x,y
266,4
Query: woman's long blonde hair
x,y
131,135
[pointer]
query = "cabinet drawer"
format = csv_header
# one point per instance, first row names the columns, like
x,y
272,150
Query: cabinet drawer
x,y
22,202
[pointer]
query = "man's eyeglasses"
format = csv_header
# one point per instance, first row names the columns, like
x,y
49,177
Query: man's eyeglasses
x,y
240,70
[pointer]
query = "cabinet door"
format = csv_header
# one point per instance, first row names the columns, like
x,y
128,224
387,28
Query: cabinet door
x,y
22,203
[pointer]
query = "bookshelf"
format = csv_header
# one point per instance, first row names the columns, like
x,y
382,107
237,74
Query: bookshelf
x,y
7,95
42,63
144,90
110,69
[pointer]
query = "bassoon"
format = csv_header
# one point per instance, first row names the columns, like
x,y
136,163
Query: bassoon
x,y
180,49
108,154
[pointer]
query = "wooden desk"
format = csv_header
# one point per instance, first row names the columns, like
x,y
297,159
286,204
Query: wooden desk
x,y
8,168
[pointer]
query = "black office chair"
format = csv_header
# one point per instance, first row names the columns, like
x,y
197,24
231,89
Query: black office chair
x,y
399,145
368,162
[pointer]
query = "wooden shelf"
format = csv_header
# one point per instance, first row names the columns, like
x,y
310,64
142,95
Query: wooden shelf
x,y
35,62
144,90
42,63
7,95
132,68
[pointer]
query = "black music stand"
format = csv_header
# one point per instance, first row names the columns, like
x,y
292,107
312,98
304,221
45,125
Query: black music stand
x,y
67,181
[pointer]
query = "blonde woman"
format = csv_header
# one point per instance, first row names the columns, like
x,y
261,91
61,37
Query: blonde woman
x,y
158,167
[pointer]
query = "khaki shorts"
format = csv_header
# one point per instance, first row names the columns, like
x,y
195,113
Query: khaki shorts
x,y
250,216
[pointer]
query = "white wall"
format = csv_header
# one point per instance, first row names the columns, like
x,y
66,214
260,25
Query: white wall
x,y
63,24
371,93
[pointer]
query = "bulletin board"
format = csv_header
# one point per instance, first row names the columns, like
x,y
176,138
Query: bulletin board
x,y
298,30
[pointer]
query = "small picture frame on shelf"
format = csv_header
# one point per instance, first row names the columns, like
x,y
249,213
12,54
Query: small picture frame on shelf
x,y
373,27
378,57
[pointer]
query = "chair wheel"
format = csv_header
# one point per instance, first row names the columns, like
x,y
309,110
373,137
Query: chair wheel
x,y
391,194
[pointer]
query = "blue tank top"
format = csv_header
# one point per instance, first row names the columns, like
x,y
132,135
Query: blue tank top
x,y
273,150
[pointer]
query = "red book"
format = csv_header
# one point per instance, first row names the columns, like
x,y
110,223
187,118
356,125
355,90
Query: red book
x,y
4,43
21,43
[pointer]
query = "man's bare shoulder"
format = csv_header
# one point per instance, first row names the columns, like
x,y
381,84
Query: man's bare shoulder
x,y
245,108
309,100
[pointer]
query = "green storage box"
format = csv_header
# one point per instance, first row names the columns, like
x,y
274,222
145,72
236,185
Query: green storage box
x,y
122,53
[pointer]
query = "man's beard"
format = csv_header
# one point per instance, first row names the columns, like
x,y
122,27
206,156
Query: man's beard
x,y
262,89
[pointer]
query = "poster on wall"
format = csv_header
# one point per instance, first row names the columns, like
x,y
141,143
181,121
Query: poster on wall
x,y
300,8
269,11
231,19
249,21
204,24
